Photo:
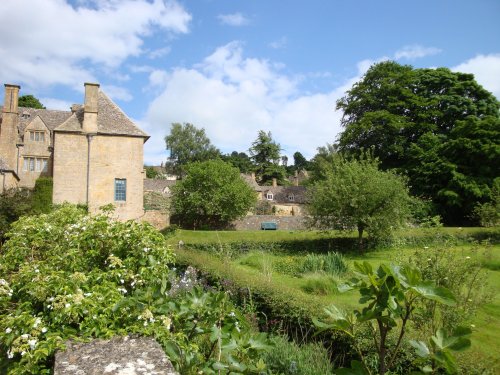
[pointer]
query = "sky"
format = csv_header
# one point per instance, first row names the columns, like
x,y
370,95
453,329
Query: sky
x,y
234,67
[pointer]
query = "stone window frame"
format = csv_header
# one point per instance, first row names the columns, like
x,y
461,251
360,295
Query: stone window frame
x,y
269,196
36,135
291,197
120,189
35,164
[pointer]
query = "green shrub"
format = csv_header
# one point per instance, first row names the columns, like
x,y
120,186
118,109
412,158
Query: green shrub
x,y
13,204
463,275
332,263
42,195
288,265
320,284
67,275
288,358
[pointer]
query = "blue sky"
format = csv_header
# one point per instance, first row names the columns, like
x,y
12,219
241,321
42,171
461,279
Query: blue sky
x,y
236,67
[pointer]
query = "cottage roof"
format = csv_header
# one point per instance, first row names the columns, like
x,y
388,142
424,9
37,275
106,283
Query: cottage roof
x,y
281,194
250,180
110,120
158,185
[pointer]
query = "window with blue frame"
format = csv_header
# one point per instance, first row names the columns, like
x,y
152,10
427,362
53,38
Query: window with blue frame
x,y
120,189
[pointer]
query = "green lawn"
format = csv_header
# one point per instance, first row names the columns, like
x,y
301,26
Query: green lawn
x,y
256,268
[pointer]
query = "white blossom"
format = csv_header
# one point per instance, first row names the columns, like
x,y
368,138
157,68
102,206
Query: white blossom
x,y
32,343
8,330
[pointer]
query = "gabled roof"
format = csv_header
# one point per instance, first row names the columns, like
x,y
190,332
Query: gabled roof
x,y
250,180
281,193
51,118
110,120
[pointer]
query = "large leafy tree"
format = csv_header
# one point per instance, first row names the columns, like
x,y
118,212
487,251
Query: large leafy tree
x,y
355,194
30,101
212,194
265,153
433,124
239,160
188,144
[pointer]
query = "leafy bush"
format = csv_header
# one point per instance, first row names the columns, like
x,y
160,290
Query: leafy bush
x,y
332,263
288,358
460,273
320,284
288,265
13,204
42,195
68,275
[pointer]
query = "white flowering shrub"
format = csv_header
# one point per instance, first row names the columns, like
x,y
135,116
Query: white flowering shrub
x,y
68,275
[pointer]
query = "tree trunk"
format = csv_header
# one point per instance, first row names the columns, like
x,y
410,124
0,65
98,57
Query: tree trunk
x,y
382,349
360,238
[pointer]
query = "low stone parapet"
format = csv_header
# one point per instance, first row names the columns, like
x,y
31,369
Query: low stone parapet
x,y
117,356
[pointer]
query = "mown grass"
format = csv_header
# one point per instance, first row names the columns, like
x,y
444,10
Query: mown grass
x,y
309,294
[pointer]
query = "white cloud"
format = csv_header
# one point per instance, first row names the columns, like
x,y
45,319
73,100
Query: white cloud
x,y
158,78
234,19
160,52
415,52
233,97
51,42
52,103
279,44
117,93
486,70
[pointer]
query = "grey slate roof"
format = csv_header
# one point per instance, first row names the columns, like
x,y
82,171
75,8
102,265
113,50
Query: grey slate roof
x,y
158,185
281,193
251,181
110,120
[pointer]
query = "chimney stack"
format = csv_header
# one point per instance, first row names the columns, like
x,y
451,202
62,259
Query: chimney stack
x,y
8,130
11,99
253,176
275,182
90,108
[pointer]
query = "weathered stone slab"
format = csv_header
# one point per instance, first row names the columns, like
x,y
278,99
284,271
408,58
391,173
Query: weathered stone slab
x,y
118,356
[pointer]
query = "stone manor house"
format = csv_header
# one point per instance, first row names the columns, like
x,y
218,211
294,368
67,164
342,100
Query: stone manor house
x,y
94,152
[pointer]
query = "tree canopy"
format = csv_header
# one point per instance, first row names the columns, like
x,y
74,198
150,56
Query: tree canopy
x,y
212,194
30,101
265,153
355,194
440,127
188,144
239,160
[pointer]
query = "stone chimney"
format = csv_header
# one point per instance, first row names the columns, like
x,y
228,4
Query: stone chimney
x,y
296,178
253,176
8,129
90,108
275,182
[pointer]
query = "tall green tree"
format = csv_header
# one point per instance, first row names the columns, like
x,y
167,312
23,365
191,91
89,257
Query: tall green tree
x,y
432,124
30,101
300,162
265,153
212,194
355,194
239,160
188,144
